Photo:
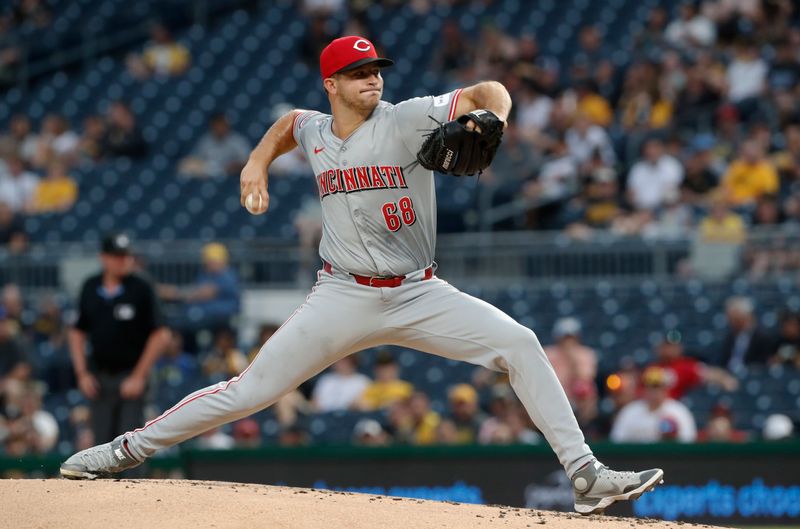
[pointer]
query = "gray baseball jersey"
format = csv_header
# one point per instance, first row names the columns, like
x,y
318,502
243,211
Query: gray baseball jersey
x,y
378,203
379,214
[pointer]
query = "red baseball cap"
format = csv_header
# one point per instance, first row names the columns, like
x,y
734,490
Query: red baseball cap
x,y
347,53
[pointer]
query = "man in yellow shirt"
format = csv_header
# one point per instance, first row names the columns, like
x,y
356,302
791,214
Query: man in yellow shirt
x,y
387,387
750,176
56,192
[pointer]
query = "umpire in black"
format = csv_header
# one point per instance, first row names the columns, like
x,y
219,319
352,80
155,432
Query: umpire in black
x,y
118,316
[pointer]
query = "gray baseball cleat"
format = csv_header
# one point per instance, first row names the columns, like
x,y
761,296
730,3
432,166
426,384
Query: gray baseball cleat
x,y
99,461
596,486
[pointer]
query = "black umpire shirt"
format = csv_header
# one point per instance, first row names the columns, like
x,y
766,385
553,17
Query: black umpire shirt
x,y
119,323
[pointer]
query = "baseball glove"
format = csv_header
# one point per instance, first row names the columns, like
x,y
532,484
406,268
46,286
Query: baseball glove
x,y
452,149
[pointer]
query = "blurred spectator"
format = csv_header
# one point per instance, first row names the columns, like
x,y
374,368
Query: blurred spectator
x,y
692,29
175,372
750,176
9,63
721,225
318,35
13,236
119,322
720,428
322,8
447,433
787,342
573,362
464,413
31,430
655,417
654,178
18,185
508,422
584,139
340,388
57,191
246,433
746,77
682,373
557,179
294,435
424,421
787,160
220,152
308,224
123,137
454,53
699,178
387,387
92,145
213,301
17,316
56,141
224,360
696,102
20,139
31,14
590,51
215,439
598,208
643,104
14,363
651,38
591,104
777,427
369,432
162,56
767,212
265,332
744,342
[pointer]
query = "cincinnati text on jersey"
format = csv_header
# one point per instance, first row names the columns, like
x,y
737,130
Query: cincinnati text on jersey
x,y
362,178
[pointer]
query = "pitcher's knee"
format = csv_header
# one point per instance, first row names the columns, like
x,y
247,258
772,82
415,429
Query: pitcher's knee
x,y
522,346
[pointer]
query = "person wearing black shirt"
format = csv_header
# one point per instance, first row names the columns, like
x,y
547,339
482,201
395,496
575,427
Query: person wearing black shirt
x,y
118,316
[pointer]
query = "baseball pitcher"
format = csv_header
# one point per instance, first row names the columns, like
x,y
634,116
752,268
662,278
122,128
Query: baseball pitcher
x,y
373,163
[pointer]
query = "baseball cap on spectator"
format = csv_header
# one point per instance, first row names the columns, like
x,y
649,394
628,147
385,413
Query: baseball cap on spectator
x,y
566,327
463,393
216,252
702,142
654,377
384,358
777,426
116,244
348,53
367,426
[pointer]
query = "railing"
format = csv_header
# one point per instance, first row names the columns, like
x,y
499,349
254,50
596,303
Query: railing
x,y
480,258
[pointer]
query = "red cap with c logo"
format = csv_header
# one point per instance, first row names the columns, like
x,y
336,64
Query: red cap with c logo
x,y
347,53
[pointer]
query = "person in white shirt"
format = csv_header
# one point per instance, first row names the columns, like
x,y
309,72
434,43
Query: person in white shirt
x,y
746,74
56,141
17,184
655,178
691,29
341,388
584,138
656,417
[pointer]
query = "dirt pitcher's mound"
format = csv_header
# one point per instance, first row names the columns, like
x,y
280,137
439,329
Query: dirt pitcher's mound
x,y
182,504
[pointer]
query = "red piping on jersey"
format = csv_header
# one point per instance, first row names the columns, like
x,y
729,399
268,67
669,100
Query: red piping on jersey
x,y
452,114
228,383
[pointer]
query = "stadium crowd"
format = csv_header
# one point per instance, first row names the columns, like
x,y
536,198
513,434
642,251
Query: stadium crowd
x,y
695,128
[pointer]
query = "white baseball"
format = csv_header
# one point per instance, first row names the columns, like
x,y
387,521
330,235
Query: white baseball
x,y
251,205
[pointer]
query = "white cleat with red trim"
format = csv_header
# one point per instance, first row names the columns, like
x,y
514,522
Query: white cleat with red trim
x,y
100,461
